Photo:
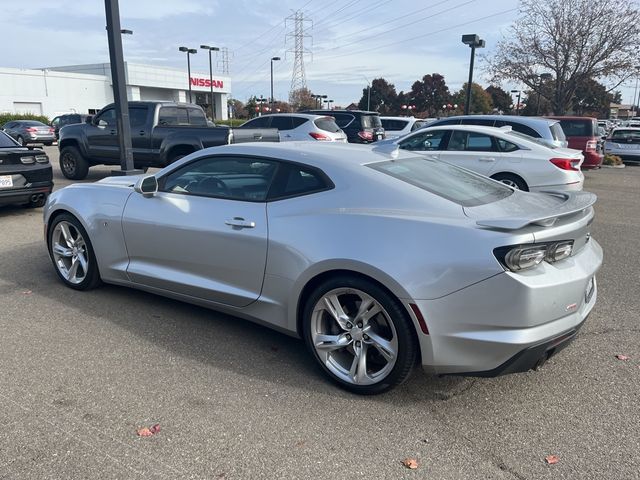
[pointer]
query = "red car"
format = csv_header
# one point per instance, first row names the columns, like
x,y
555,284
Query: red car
x,y
582,134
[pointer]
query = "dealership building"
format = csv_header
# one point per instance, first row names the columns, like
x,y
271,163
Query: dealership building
x,y
87,88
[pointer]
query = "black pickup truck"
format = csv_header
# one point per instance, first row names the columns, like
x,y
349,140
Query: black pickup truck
x,y
161,133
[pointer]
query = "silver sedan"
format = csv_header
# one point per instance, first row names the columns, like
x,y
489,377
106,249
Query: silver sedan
x,y
377,258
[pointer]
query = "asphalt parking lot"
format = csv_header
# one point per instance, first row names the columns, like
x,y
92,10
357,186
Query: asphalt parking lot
x,y
80,372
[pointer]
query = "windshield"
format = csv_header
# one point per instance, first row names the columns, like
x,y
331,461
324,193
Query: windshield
x,y
371,121
6,141
447,181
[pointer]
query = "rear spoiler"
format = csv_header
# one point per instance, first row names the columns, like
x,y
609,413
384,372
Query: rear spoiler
x,y
574,202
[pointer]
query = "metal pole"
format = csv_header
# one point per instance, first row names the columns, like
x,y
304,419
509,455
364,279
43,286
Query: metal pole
x,y
518,106
189,75
635,99
271,103
213,112
538,100
368,96
116,62
467,104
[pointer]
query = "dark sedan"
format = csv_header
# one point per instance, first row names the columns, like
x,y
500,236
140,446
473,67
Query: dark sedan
x,y
27,132
26,176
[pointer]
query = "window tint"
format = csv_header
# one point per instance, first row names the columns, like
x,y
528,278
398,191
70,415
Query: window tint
x,y
297,121
294,180
478,121
447,181
393,124
418,125
108,116
577,128
55,121
470,142
6,141
260,122
168,116
439,123
281,123
425,141
31,123
370,121
328,124
74,119
9,125
343,119
627,136
197,117
138,117
518,127
506,146
234,178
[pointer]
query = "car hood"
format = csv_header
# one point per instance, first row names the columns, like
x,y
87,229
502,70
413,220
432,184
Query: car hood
x,y
124,180
526,208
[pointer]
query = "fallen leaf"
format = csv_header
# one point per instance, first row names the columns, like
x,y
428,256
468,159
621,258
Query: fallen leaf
x,y
148,431
622,357
410,463
552,459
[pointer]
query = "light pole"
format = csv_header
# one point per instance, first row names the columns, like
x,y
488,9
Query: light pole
x,y
519,92
328,102
273,59
542,77
473,41
211,49
368,92
261,101
190,51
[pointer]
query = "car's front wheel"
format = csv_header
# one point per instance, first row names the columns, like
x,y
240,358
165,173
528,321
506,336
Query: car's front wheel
x,y
72,253
360,335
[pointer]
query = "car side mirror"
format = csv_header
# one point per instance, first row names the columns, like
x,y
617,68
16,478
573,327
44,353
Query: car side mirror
x,y
102,123
147,186
89,119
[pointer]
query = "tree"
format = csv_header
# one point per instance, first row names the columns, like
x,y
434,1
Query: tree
x,y
237,108
480,99
302,99
384,98
593,99
429,94
500,98
573,40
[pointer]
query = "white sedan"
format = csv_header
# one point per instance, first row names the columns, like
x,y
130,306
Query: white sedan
x,y
500,153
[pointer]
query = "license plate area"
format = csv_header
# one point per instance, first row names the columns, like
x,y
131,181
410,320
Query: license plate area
x,y
6,181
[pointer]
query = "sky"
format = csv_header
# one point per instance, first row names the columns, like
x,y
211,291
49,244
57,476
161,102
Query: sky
x,y
349,42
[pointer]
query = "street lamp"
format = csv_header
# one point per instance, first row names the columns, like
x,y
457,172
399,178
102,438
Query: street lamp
x,y
473,41
190,51
519,92
368,92
261,101
328,102
211,49
273,59
542,77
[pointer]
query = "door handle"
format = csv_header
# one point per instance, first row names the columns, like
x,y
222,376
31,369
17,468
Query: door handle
x,y
257,136
141,132
487,159
112,132
239,222
287,136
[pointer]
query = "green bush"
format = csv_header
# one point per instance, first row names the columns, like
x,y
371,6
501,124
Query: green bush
x,y
232,122
612,160
8,117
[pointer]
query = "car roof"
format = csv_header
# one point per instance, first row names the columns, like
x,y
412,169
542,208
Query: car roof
x,y
311,116
570,117
634,129
329,112
398,118
511,118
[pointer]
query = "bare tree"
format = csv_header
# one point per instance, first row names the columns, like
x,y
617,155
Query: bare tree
x,y
574,40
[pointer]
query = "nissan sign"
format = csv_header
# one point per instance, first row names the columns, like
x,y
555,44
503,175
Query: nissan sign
x,y
205,82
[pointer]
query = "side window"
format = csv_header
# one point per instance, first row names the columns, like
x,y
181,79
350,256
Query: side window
x,y
168,116
343,119
74,119
9,125
297,121
108,116
390,124
55,121
260,122
183,116
425,141
518,127
233,178
506,146
478,121
417,125
439,123
470,142
281,123
294,180
138,117
196,117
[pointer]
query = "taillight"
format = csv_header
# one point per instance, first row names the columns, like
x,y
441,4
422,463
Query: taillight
x,y
32,129
566,163
591,146
51,130
366,135
320,136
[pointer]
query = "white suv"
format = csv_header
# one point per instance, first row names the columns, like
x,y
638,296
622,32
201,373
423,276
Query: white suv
x,y
300,126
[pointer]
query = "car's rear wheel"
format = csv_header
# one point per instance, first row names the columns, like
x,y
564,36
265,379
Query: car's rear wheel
x,y
72,253
359,334
73,165
512,180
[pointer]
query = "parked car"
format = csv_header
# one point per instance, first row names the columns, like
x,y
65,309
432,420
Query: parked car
x,y
359,125
26,176
368,313
161,133
582,134
500,153
395,127
67,119
545,131
625,143
300,127
28,132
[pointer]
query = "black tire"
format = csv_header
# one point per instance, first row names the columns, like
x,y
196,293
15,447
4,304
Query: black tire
x,y
512,180
72,164
92,276
407,353
20,140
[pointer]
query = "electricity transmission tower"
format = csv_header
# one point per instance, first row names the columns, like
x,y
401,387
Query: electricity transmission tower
x,y
298,79
224,61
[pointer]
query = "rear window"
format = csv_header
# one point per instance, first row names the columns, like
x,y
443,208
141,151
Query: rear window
x,y
32,123
6,141
371,121
393,124
630,136
328,124
518,127
196,117
343,119
447,181
557,132
578,128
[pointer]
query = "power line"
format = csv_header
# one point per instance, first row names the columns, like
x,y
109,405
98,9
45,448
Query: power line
x,y
332,14
358,14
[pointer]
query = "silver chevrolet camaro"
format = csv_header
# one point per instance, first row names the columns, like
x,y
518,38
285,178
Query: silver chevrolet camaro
x,y
377,258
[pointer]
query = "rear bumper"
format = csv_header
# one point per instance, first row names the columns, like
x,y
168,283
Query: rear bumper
x,y
506,323
25,194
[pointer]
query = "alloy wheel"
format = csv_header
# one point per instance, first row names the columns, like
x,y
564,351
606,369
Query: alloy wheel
x,y
68,164
354,336
70,252
510,183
